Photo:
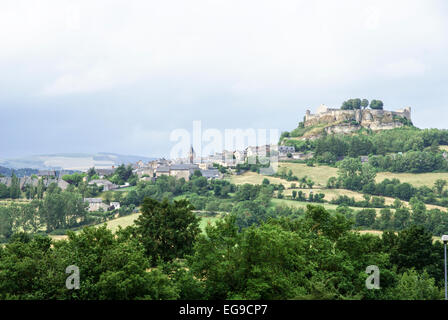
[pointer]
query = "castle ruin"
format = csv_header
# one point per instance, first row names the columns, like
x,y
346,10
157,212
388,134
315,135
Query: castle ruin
x,y
345,121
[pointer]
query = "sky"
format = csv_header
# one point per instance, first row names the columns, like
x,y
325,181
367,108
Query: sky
x,y
121,76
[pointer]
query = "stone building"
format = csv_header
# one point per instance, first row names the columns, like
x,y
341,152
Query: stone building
x,y
183,170
145,171
114,205
211,174
348,120
96,204
106,184
162,171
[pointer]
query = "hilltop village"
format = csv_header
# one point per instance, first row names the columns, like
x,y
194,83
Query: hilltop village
x,y
348,119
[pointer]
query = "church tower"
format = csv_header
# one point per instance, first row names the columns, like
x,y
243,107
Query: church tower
x,y
191,155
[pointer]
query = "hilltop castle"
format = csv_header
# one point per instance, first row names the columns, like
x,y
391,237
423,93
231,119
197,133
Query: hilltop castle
x,y
345,121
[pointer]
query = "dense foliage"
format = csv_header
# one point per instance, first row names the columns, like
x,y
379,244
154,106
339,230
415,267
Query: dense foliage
x,y
310,256
406,149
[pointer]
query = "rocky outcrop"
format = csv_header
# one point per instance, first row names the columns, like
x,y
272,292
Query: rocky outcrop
x,y
345,121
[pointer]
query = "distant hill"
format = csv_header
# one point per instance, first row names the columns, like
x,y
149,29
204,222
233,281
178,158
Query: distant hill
x,y
7,172
71,161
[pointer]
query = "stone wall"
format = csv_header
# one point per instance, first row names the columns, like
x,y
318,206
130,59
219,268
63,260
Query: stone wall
x,y
368,118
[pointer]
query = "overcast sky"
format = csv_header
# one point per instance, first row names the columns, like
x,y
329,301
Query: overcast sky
x,y
119,76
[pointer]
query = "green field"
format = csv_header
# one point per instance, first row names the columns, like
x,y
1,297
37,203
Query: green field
x,y
303,204
416,179
111,224
380,233
5,202
122,221
255,178
126,221
129,220
320,175
126,189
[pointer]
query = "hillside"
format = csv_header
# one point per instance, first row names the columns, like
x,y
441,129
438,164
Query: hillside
x,y
350,118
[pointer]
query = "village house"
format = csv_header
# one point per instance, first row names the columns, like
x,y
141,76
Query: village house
x,y
102,173
211,174
240,156
159,163
144,171
263,150
148,179
183,170
162,171
6,181
46,173
114,205
33,181
106,184
364,159
302,156
251,151
284,150
95,204
62,184
205,165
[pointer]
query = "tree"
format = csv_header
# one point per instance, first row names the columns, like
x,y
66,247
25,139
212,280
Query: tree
x,y
401,218
414,249
332,183
108,197
439,184
5,223
26,216
354,175
167,230
112,266
346,106
4,191
14,189
368,174
418,211
365,218
122,174
265,181
62,210
364,103
40,189
351,104
356,103
267,262
197,173
75,178
376,104
385,220
91,172
310,183
414,286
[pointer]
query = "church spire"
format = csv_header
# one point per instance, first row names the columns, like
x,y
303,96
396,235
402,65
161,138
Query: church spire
x,y
191,155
